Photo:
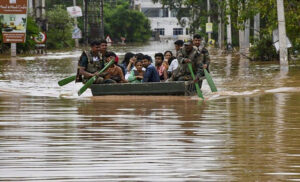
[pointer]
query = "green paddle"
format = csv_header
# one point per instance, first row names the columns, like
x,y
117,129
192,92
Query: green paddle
x,y
196,84
210,82
94,78
66,80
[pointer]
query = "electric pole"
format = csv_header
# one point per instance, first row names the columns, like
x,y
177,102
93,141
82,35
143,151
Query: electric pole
x,y
75,22
282,34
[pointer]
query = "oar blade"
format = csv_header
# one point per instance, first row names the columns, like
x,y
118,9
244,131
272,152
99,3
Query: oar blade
x,y
94,78
210,82
87,85
66,80
198,90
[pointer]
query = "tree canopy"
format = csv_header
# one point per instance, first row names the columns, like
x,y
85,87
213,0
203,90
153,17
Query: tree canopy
x,y
121,21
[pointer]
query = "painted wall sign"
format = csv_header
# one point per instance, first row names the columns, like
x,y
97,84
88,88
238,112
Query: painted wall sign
x,y
13,17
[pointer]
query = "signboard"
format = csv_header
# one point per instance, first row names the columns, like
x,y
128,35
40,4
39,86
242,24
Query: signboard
x,y
74,11
13,17
40,38
108,39
76,33
209,27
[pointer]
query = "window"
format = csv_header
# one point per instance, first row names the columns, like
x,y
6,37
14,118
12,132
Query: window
x,y
155,12
187,31
177,31
184,12
161,31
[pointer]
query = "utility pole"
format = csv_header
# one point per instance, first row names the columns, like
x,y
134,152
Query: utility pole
x,y
247,31
256,26
282,34
228,26
220,26
241,31
75,22
101,19
208,18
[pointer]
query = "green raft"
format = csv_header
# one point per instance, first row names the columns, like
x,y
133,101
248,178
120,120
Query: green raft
x,y
153,88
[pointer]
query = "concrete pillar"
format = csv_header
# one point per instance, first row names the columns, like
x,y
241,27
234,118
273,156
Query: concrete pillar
x,y
13,49
208,18
228,26
256,26
282,34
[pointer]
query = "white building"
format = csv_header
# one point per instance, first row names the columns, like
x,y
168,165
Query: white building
x,y
162,20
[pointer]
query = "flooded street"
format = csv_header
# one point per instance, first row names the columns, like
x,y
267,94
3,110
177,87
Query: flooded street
x,y
247,131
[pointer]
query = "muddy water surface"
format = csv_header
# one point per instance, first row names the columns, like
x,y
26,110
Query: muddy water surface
x,y
248,131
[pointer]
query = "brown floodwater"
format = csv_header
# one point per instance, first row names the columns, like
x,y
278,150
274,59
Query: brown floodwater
x,y
247,131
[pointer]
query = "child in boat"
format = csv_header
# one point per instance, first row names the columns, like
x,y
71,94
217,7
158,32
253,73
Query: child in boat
x,y
136,75
114,72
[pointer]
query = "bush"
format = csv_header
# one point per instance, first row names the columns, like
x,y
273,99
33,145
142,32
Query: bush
x,y
263,50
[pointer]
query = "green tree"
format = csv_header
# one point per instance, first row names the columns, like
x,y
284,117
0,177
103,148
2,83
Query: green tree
x,y
59,33
121,21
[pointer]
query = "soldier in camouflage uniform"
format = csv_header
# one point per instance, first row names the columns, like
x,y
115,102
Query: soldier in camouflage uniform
x,y
90,62
190,54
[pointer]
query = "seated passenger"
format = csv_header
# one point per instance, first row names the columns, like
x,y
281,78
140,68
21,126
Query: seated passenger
x,y
136,75
151,75
114,72
126,62
131,64
161,69
172,61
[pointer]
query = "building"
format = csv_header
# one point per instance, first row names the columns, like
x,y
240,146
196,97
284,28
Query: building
x,y
163,21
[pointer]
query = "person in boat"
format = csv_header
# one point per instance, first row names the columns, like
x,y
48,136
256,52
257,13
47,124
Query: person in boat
x,y
178,45
114,73
90,62
103,48
172,62
126,61
131,64
189,54
150,75
160,67
198,42
137,75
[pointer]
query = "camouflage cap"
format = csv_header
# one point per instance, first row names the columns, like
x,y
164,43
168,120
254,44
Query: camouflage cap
x,y
188,42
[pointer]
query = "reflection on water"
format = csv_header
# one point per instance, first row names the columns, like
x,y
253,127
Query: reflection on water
x,y
249,131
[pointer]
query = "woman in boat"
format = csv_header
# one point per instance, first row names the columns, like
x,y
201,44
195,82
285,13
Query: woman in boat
x,y
128,56
131,64
136,75
161,69
172,61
